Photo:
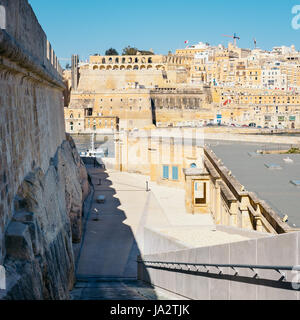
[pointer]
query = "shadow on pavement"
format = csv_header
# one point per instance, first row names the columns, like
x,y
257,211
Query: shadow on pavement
x,y
107,262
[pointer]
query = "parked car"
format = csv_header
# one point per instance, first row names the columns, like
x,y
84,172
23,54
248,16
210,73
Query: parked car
x,y
252,125
259,127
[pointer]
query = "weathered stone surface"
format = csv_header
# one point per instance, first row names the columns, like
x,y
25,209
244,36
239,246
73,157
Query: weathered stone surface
x,y
18,242
42,179
39,238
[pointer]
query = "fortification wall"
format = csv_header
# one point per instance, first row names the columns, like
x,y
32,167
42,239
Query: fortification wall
x,y
95,80
42,179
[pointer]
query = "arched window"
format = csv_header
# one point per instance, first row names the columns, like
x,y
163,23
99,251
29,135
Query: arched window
x,y
193,165
71,116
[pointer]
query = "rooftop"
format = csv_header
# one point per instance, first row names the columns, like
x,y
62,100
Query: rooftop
x,y
273,186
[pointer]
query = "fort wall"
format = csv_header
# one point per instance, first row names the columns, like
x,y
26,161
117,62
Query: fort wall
x,y
42,179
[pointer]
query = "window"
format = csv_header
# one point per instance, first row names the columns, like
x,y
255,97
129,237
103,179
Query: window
x,y
166,172
200,189
71,126
175,173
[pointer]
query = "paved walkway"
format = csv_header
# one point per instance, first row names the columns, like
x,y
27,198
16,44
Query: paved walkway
x,y
113,237
103,289
112,244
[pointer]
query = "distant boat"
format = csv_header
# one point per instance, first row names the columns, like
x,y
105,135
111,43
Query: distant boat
x,y
94,153
98,153
288,160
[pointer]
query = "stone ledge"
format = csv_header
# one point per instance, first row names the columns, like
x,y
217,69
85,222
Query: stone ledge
x,y
11,50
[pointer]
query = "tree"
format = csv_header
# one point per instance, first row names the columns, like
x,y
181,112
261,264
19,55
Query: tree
x,y
146,53
68,66
111,52
130,51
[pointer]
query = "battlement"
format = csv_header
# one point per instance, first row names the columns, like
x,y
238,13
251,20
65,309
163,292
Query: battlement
x,y
23,39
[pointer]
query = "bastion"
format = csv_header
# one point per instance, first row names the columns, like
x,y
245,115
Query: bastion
x,y
43,181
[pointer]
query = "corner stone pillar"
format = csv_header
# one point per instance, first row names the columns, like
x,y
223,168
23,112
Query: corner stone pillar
x,y
246,221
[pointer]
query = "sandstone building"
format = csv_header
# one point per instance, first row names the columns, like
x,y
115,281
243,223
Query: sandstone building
x,y
197,85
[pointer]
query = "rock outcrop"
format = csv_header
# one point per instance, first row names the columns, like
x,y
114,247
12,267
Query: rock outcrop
x,y
43,182
48,212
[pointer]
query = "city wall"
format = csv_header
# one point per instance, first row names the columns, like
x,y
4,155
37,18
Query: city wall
x,y
42,179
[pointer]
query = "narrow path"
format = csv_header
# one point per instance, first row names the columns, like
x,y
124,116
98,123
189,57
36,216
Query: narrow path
x,y
106,264
106,261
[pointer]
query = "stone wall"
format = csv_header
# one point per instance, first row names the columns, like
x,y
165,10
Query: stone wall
x,y
42,179
226,283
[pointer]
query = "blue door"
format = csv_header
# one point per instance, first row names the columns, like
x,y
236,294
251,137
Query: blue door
x,y
175,173
166,172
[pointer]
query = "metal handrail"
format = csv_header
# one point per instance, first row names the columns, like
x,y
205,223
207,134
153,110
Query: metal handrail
x,y
232,266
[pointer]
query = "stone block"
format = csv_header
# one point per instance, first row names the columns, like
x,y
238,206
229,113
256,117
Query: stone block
x,y
219,288
278,251
242,253
18,242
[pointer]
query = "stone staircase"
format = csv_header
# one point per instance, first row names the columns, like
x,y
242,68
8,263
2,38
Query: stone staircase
x,y
118,289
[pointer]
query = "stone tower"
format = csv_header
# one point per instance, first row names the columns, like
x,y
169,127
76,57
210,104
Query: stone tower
x,y
75,71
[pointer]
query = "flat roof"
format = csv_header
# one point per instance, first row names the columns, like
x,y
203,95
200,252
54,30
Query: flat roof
x,y
273,186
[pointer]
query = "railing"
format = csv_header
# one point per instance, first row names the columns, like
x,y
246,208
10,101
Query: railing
x,y
234,267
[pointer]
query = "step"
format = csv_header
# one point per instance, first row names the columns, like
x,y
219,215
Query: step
x,y
118,289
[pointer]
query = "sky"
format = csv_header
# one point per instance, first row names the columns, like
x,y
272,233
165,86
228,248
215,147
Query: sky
x,y
87,27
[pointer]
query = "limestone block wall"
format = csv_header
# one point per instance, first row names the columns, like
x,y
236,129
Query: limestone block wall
x,y
95,80
42,179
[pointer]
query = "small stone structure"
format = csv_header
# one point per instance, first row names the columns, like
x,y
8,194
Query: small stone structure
x,y
227,200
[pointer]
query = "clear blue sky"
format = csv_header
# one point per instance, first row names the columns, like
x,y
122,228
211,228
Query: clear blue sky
x,y
92,26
